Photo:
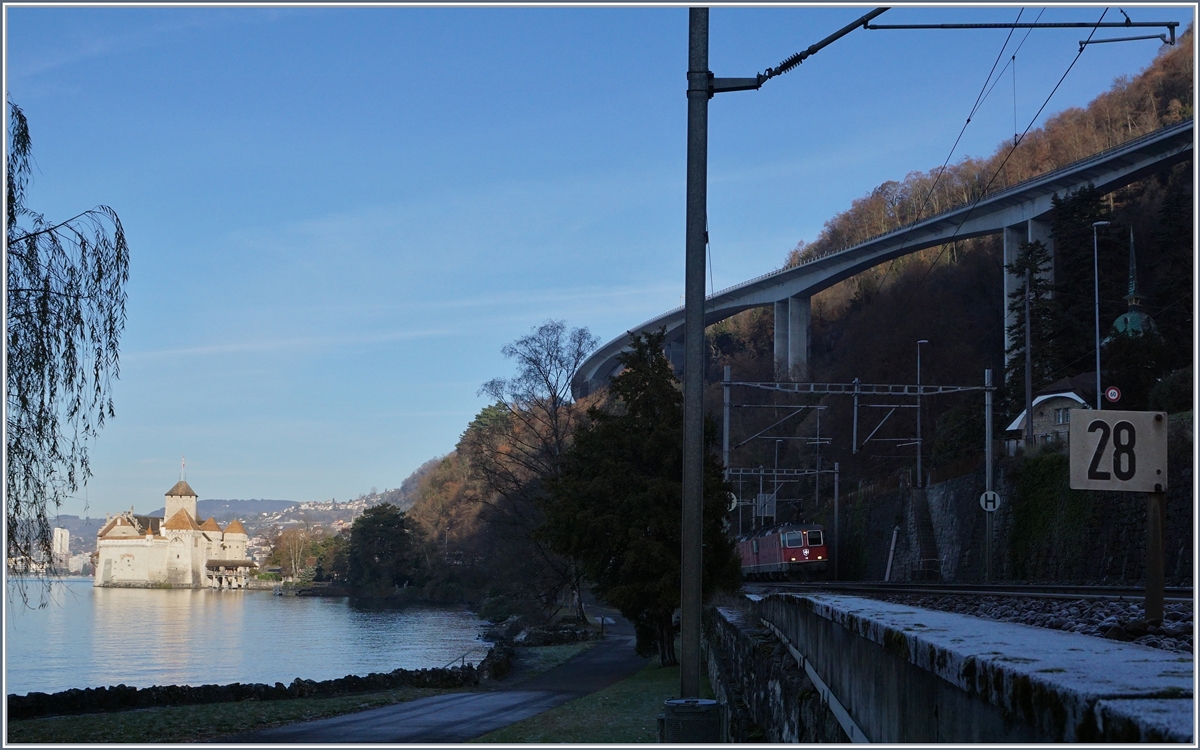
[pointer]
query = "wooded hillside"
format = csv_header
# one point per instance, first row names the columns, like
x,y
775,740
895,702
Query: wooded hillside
x,y
867,326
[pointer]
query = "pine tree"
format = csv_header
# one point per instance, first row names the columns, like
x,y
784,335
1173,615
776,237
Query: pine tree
x,y
1074,311
617,504
1032,263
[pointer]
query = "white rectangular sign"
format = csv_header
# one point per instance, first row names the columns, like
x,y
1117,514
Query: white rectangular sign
x,y
1118,450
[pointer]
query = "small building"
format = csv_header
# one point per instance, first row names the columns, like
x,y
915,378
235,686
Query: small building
x,y
136,551
1052,412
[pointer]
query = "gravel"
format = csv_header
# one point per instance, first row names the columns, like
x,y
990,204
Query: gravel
x,y
1103,618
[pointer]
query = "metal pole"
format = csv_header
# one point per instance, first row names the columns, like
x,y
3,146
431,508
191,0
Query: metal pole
x,y
987,463
817,476
854,434
1096,280
837,540
920,476
1028,368
1156,504
725,423
777,443
759,500
693,373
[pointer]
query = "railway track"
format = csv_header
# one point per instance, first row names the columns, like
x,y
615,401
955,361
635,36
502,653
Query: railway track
x,y
1032,591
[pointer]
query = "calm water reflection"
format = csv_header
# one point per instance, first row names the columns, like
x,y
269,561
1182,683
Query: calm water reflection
x,y
91,637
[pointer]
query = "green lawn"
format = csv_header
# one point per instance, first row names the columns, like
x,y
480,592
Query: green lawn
x,y
625,712
190,723
209,721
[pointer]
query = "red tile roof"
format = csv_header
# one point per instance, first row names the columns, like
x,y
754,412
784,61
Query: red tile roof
x,y
181,521
210,525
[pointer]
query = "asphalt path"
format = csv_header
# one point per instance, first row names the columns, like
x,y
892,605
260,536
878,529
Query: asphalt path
x,y
459,717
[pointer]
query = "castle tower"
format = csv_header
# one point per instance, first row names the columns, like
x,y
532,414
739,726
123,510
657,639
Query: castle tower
x,y
181,497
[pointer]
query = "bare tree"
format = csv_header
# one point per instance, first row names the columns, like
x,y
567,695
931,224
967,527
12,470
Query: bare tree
x,y
65,289
517,447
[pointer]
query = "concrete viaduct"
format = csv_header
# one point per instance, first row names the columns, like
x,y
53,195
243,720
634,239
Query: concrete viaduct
x,y
1021,212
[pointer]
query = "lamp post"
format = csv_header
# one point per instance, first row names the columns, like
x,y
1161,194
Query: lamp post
x,y
1096,274
920,483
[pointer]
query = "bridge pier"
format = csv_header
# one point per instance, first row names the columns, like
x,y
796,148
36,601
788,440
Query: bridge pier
x,y
1019,213
1030,230
792,319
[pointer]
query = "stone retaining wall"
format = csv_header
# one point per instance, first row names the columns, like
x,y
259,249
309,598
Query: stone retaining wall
x,y
910,675
768,696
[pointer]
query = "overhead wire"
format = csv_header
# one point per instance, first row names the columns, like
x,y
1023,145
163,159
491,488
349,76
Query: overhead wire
x,y
985,92
1000,75
1017,138
979,99
1016,142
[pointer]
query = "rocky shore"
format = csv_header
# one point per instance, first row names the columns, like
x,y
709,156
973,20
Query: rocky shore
x,y
519,632
123,697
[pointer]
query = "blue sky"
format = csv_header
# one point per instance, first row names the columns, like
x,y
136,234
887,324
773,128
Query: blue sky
x,y
338,216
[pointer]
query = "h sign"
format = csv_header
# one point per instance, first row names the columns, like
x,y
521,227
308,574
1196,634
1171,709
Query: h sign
x,y
989,501
1118,450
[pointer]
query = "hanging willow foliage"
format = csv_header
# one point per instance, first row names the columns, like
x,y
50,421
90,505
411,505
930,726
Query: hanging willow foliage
x,y
65,314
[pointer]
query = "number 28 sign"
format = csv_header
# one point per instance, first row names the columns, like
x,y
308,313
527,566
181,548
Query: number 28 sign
x,y
1118,450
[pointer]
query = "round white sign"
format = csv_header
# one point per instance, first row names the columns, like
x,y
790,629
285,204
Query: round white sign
x,y
989,501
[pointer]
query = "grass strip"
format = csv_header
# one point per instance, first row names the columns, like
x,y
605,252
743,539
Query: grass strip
x,y
202,722
626,712
213,720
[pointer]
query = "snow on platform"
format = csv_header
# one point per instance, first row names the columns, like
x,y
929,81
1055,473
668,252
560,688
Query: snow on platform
x,y
1078,687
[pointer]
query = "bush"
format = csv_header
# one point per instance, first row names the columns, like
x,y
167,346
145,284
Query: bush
x,y
1173,394
498,608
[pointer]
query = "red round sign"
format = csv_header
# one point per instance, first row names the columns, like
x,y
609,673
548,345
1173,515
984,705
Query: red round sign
x,y
1113,394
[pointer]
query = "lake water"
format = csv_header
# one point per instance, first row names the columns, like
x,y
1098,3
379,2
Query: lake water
x,y
93,637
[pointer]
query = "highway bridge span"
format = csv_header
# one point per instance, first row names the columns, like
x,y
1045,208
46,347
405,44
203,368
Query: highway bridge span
x,y
1021,212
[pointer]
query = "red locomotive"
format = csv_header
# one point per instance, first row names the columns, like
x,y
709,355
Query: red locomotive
x,y
788,550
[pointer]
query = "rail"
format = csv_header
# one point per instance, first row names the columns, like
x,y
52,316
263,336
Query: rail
x,y
1034,591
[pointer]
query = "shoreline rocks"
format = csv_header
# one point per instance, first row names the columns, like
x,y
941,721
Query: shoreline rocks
x,y
124,698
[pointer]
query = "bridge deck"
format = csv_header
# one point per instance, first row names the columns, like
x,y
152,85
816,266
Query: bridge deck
x,y
1107,171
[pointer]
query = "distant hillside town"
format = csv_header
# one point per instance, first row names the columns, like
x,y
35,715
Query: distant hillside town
x,y
76,546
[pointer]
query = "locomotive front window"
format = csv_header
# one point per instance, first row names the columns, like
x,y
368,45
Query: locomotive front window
x,y
815,539
793,539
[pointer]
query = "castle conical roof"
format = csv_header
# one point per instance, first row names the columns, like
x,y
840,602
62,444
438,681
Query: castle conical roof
x,y
210,525
181,489
235,527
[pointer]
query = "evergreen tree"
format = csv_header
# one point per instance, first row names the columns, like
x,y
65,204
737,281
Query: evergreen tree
x,y
617,504
1169,277
1134,363
1034,258
1074,309
380,555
